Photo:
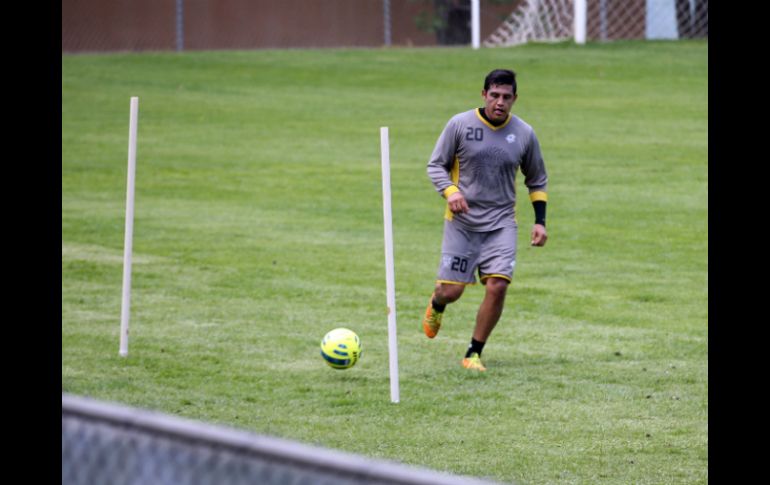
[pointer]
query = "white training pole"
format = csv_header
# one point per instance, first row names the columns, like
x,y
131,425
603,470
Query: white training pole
x,y
389,273
129,236
475,24
580,21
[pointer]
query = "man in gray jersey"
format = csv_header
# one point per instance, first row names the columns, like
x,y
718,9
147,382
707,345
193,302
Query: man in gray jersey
x,y
473,166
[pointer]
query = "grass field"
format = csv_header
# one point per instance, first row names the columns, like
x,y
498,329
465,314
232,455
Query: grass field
x,y
258,228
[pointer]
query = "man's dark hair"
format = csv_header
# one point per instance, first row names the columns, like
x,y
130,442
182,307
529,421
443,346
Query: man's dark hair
x,y
500,76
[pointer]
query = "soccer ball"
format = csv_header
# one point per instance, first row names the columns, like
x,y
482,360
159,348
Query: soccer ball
x,y
341,348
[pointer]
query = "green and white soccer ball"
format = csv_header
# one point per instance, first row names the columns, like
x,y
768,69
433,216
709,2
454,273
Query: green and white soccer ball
x,y
341,348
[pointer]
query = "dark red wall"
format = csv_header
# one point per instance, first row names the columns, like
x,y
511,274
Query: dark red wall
x,y
137,25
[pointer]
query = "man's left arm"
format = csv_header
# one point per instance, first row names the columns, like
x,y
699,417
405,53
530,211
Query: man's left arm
x,y
536,180
539,201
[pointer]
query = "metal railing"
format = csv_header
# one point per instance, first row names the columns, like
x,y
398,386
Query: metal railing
x,y
106,443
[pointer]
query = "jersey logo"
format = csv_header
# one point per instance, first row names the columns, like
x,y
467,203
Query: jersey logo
x,y
510,138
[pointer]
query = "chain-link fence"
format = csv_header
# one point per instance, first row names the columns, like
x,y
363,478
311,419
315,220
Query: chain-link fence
x,y
110,444
606,20
646,19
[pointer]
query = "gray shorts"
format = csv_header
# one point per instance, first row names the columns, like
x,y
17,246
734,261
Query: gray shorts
x,y
463,252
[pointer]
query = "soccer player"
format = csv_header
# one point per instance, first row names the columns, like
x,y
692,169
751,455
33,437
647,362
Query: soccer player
x,y
473,166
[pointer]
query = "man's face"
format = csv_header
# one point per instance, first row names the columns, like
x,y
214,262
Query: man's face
x,y
498,101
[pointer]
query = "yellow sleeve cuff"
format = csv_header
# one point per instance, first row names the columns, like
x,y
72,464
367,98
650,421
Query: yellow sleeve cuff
x,y
539,195
450,190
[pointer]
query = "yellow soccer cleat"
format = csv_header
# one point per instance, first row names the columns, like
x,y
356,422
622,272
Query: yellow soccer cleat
x,y
474,363
432,321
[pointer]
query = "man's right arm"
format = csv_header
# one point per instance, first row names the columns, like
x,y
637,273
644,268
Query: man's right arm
x,y
442,161
457,202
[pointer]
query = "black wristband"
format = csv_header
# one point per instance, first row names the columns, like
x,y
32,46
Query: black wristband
x,y
539,206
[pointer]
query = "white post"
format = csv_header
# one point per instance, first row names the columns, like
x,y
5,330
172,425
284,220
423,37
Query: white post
x,y
660,20
389,272
580,21
129,235
475,24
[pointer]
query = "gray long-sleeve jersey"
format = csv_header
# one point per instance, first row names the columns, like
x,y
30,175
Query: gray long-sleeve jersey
x,y
481,160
